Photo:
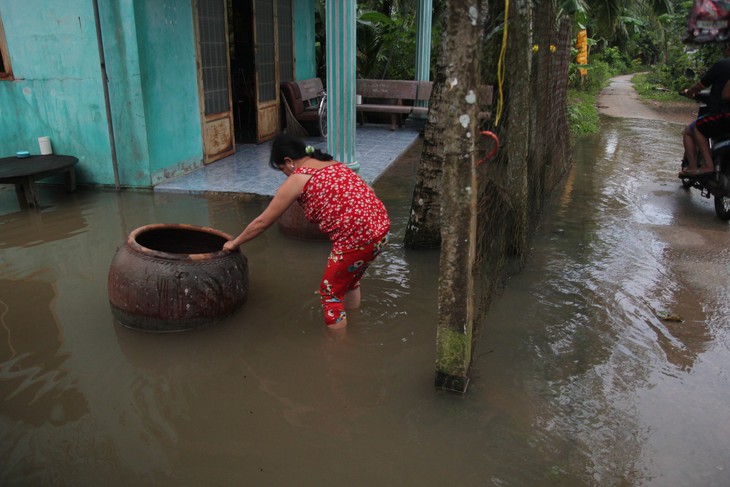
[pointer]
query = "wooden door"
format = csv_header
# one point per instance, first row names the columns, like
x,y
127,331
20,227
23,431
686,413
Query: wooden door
x,y
214,80
267,79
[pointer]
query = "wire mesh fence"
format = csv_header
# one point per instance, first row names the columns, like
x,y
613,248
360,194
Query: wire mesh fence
x,y
535,137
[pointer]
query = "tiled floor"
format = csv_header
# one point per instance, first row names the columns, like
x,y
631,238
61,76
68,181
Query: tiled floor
x,y
248,171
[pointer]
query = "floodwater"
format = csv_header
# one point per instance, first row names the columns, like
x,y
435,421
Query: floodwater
x,y
577,380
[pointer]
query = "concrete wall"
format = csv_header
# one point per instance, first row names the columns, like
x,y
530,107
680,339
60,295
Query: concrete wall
x,y
149,49
121,52
150,54
57,89
150,58
306,63
169,86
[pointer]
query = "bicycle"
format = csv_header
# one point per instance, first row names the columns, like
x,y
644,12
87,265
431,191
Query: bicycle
x,y
322,113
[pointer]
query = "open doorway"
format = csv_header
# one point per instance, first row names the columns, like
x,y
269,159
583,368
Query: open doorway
x,y
261,52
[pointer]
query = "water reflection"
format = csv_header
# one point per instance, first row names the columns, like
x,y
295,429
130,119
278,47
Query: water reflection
x,y
30,228
35,386
599,354
577,380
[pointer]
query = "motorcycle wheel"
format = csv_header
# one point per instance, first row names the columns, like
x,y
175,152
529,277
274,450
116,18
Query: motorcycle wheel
x,y
722,207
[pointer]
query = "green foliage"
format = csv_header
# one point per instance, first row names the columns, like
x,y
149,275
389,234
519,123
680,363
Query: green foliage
x,y
598,74
601,67
386,45
684,68
616,60
669,78
386,38
649,45
647,85
582,112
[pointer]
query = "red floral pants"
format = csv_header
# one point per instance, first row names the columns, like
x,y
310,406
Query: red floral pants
x,y
343,273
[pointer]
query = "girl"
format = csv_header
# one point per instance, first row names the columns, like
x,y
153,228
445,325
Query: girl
x,y
342,205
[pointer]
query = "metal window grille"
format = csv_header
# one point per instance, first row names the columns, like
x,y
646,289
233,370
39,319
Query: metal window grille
x,y
286,47
213,55
266,50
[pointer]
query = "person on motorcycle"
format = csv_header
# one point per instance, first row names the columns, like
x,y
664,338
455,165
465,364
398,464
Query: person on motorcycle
x,y
712,124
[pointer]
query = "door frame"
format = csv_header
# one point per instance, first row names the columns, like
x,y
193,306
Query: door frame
x,y
217,128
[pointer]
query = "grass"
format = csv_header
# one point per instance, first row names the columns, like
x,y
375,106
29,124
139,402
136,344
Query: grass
x,y
648,89
582,112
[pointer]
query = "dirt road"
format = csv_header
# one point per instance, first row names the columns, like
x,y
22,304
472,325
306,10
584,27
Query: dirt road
x,y
620,99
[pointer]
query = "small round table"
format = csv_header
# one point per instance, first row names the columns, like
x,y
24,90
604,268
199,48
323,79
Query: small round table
x,y
24,172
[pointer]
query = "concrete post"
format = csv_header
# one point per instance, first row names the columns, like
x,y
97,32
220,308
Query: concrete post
x,y
423,43
341,79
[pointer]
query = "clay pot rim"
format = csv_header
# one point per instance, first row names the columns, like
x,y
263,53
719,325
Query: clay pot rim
x,y
135,246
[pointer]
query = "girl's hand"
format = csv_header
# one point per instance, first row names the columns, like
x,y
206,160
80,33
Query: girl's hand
x,y
230,246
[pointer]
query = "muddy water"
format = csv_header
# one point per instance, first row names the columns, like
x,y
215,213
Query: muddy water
x,y
577,381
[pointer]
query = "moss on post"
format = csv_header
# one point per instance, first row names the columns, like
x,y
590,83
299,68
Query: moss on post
x,y
454,352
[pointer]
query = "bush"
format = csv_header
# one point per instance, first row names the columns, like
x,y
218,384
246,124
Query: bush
x,y
684,67
598,75
582,112
650,85
616,60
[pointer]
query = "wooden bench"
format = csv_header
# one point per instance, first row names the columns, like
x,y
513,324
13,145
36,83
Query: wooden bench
x,y
398,98
485,98
24,172
387,96
423,94
301,102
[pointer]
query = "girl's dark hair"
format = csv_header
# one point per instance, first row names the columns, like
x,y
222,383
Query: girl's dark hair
x,y
288,146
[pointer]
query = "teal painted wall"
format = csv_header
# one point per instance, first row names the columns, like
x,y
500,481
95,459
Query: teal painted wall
x,y
121,53
149,49
169,82
306,66
57,89
150,55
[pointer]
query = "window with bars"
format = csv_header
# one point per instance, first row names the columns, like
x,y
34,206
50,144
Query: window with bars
x,y
286,42
213,55
5,71
266,50
268,34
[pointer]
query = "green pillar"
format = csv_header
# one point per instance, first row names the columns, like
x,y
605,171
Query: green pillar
x,y
423,43
341,75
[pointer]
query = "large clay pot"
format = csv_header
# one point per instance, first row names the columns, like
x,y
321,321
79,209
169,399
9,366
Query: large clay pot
x,y
293,223
173,277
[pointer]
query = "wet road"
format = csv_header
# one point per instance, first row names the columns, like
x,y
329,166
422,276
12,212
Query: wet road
x,y
578,381
624,246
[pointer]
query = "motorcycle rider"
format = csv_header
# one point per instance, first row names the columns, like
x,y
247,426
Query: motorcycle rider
x,y
712,124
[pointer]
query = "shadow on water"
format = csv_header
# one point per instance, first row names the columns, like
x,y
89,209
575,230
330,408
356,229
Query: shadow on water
x,y
577,380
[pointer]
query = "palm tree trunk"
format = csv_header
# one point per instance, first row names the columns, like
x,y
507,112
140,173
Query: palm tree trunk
x,y
457,110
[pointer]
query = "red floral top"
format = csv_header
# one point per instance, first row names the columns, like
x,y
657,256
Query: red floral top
x,y
337,200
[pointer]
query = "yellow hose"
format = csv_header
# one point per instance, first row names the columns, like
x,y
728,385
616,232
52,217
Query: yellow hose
x,y
500,67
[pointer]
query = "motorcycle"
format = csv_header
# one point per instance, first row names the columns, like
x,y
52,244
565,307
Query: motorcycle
x,y
716,183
